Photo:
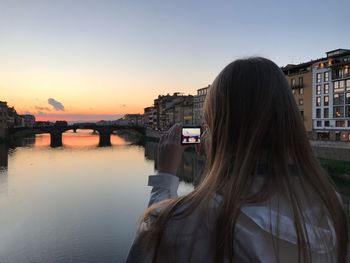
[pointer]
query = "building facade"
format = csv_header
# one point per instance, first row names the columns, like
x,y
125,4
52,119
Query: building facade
x,y
11,117
131,119
29,120
183,111
150,117
331,96
163,105
198,102
300,80
3,119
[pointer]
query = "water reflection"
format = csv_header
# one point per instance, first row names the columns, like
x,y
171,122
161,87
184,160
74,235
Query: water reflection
x,y
75,203
191,167
80,139
3,156
79,202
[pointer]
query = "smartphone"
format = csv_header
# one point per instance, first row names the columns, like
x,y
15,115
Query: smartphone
x,y
191,135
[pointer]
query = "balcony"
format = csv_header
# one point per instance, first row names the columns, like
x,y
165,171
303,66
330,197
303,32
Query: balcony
x,y
336,75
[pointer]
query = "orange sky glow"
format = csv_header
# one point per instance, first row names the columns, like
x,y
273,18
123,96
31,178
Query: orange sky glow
x,y
103,59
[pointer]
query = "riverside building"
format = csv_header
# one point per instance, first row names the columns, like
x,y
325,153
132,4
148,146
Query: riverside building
x,y
150,117
164,113
180,111
331,96
198,102
300,79
3,118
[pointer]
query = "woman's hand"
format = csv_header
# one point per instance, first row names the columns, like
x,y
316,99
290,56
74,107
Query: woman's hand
x,y
170,150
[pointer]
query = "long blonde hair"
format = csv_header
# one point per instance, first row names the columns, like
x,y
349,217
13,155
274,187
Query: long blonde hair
x,y
253,119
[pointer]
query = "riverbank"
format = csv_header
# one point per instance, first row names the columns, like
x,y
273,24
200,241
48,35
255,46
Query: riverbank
x,y
131,136
23,134
153,134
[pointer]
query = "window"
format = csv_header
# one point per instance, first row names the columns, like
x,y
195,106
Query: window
x,y
340,123
325,113
318,101
318,113
302,114
347,98
326,76
318,77
325,101
338,112
347,111
293,91
318,89
301,102
338,87
301,81
339,73
301,91
338,99
326,124
292,82
348,84
326,88
319,123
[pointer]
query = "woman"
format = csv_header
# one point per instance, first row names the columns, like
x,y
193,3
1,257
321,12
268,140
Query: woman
x,y
263,197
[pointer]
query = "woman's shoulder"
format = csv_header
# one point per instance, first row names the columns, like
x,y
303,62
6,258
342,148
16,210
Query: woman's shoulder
x,y
272,222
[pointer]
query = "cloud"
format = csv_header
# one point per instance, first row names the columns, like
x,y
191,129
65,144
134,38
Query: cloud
x,y
56,104
42,108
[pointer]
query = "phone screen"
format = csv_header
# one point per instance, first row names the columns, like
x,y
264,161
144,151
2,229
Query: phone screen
x,y
191,135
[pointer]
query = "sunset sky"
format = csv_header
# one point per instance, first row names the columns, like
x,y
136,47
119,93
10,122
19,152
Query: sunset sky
x,y
92,60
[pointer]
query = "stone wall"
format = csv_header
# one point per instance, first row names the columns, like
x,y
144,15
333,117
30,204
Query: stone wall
x,y
331,150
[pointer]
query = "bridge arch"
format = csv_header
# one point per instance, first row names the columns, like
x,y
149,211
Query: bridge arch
x,y
104,132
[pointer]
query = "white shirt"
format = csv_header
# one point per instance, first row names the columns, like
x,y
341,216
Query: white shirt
x,y
254,229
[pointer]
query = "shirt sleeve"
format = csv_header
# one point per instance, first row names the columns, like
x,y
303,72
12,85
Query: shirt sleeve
x,y
164,186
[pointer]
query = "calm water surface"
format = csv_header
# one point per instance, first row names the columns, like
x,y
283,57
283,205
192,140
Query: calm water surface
x,y
79,202
76,203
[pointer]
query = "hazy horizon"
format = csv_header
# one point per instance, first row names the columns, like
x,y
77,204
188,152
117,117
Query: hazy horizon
x,y
90,59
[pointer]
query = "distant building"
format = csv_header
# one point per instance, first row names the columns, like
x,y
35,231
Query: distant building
x,y
29,120
198,102
183,111
131,119
3,118
19,121
179,111
11,116
331,96
163,105
150,117
300,80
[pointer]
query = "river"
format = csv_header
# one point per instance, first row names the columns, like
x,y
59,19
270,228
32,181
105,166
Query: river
x,y
79,202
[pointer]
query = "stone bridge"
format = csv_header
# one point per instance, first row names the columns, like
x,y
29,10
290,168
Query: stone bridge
x,y
56,131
